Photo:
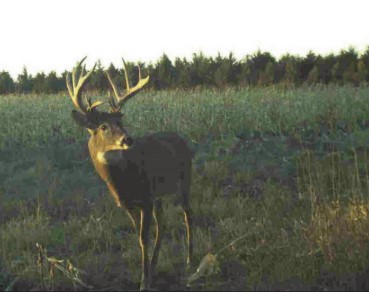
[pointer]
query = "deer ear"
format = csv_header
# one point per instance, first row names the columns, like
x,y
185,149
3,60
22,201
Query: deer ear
x,y
83,121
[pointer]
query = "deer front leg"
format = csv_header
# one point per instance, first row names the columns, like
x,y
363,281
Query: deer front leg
x,y
188,221
134,215
157,214
146,215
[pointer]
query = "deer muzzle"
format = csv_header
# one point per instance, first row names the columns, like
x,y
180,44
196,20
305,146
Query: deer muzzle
x,y
125,142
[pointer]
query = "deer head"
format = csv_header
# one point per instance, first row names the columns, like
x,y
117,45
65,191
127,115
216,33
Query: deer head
x,y
106,129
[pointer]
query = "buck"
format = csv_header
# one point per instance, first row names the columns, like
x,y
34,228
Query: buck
x,y
137,172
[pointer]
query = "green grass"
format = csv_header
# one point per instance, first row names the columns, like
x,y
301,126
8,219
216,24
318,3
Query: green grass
x,y
289,168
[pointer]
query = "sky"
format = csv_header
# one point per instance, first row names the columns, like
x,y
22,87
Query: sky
x,y
46,35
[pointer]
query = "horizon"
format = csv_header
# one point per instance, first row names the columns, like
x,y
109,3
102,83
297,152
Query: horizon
x,y
119,66
177,29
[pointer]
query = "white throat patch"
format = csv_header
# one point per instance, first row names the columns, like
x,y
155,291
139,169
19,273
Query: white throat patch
x,y
116,147
101,157
110,157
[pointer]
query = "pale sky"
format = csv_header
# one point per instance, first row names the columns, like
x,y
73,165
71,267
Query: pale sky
x,y
46,35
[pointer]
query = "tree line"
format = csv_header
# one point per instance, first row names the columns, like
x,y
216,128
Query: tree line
x,y
257,69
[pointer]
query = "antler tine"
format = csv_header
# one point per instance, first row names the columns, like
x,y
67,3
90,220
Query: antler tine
x,y
139,72
130,91
116,92
75,89
128,84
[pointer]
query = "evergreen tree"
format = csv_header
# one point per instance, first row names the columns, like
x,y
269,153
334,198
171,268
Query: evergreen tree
x,y
39,83
98,79
266,77
245,77
200,70
6,83
344,69
166,74
183,69
291,69
314,76
363,67
226,73
253,65
306,65
53,84
24,82
322,71
63,80
259,68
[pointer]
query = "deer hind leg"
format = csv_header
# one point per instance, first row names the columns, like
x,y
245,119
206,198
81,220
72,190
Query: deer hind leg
x,y
146,215
157,215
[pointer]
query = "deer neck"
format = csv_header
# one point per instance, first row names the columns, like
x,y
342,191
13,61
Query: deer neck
x,y
103,167
106,172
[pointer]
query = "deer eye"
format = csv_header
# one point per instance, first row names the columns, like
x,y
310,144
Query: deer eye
x,y
103,127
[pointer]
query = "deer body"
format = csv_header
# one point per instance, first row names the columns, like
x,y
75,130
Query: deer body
x,y
137,172
155,165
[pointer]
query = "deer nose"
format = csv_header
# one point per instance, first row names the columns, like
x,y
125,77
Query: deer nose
x,y
127,141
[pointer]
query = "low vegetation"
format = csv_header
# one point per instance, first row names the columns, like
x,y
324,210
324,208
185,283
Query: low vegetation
x,y
287,169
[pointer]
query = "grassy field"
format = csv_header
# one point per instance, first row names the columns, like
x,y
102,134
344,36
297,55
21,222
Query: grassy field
x,y
286,169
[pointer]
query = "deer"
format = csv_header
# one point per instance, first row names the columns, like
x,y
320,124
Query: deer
x,y
138,172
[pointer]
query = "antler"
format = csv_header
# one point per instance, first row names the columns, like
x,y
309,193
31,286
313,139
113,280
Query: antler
x,y
75,89
130,91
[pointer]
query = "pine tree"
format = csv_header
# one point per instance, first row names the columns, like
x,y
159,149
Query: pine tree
x,y
344,69
39,83
53,84
306,65
6,83
183,69
363,67
165,73
24,82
